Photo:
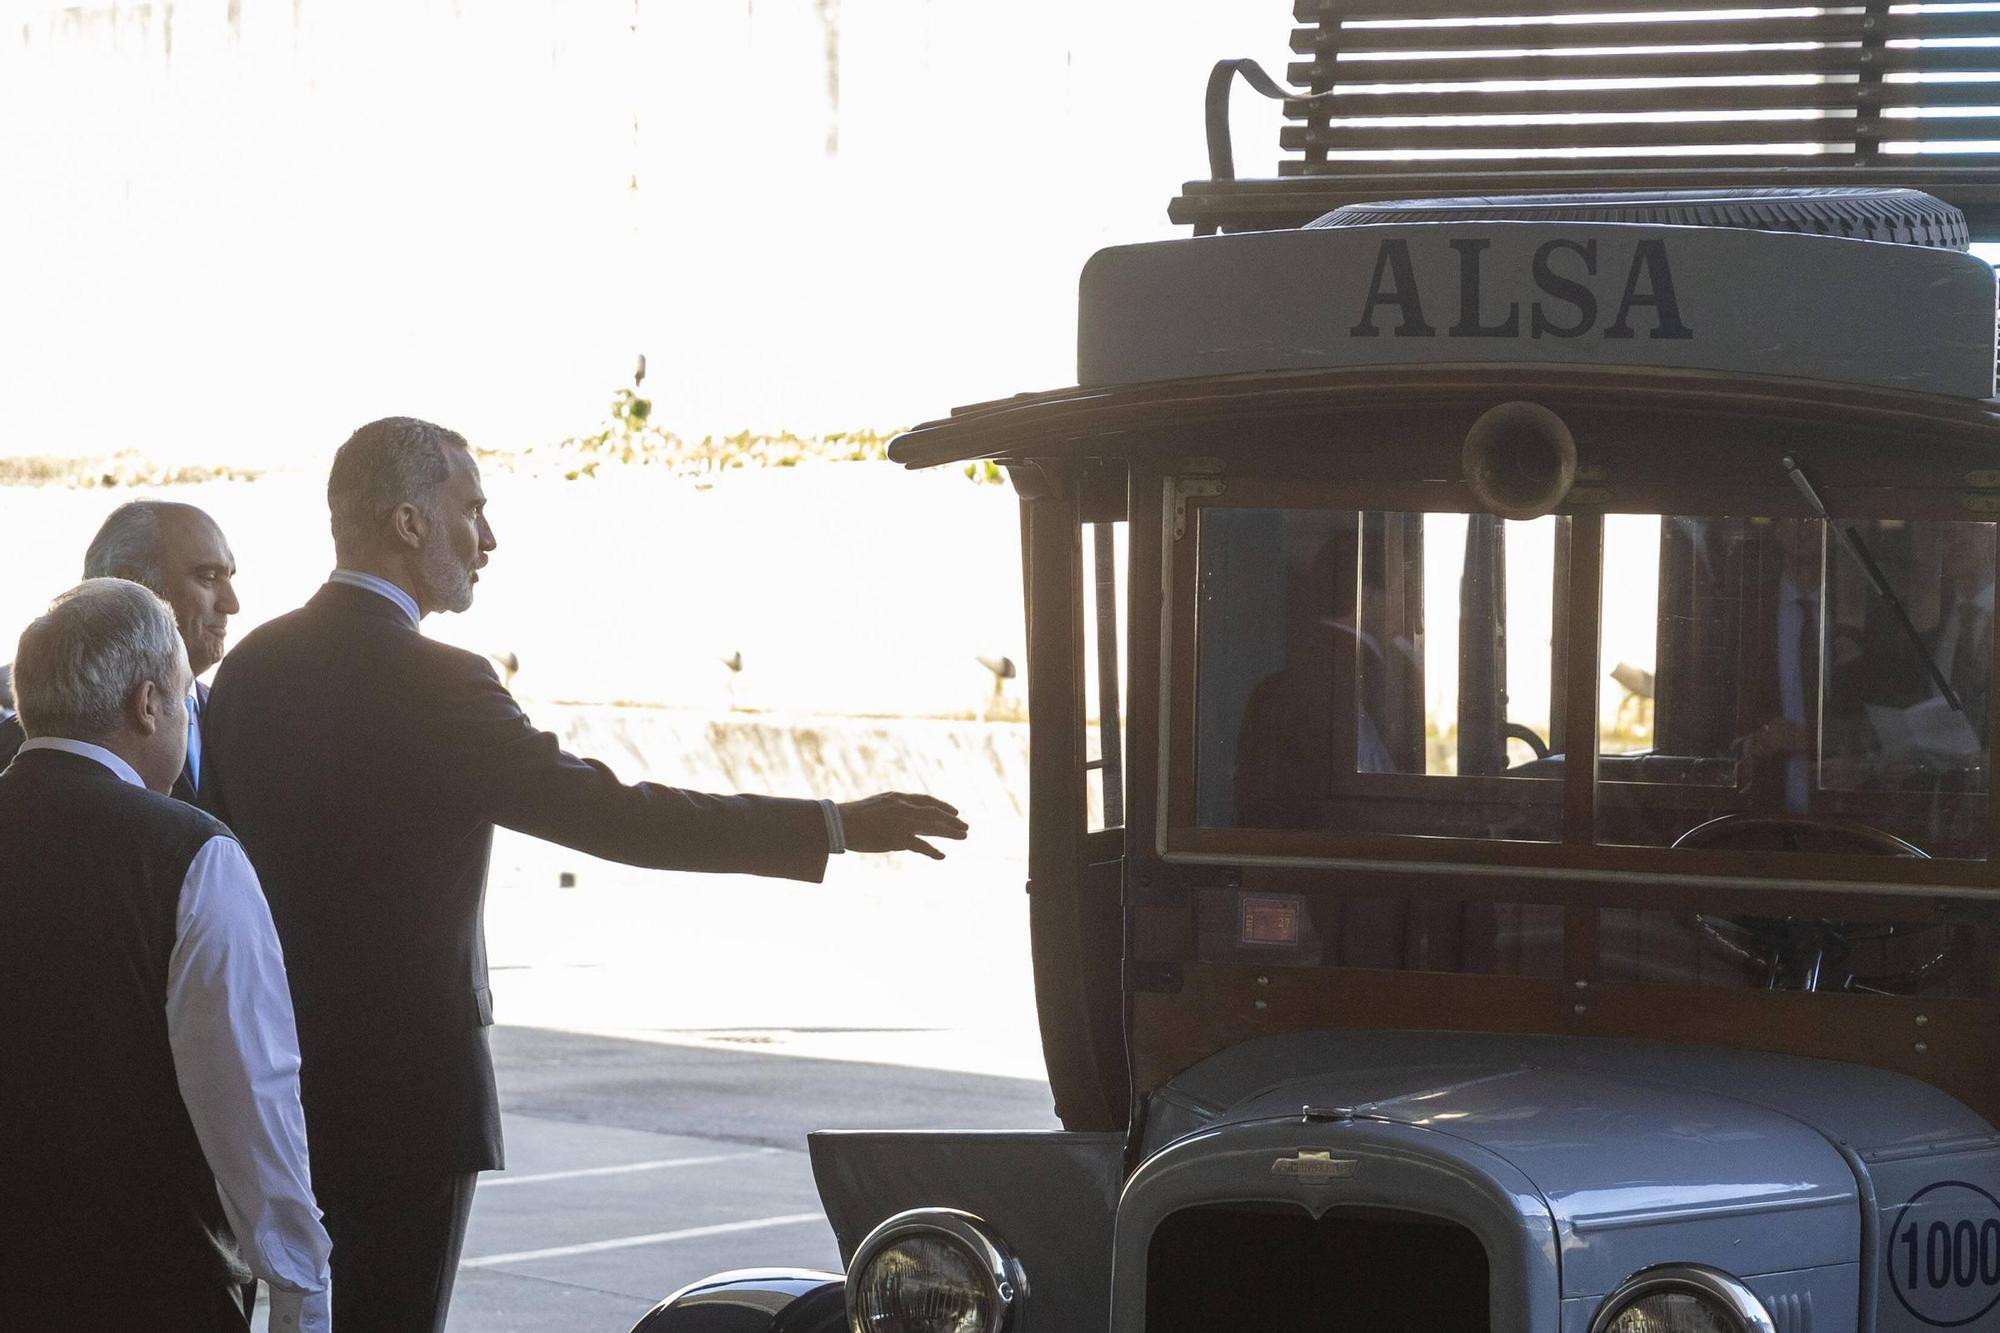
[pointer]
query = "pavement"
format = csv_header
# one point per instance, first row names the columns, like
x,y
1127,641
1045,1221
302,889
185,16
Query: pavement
x,y
635,1168
594,1225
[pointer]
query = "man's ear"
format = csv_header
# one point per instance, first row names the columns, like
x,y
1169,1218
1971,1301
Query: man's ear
x,y
145,707
406,521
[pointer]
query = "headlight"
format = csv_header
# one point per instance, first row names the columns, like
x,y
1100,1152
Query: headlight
x,y
1682,1299
932,1270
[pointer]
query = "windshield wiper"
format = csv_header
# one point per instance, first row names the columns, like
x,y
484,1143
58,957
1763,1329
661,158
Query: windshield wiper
x,y
1856,547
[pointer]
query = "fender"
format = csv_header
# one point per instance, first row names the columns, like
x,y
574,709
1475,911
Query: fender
x,y
754,1300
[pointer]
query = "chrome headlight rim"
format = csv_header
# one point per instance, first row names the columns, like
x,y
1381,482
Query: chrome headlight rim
x,y
1006,1280
1736,1300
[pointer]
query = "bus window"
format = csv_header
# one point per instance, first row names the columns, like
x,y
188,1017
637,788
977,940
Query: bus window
x,y
1103,656
1376,673
1768,695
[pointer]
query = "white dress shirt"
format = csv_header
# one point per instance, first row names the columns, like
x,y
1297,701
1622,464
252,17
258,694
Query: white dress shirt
x,y
836,832
381,587
236,1058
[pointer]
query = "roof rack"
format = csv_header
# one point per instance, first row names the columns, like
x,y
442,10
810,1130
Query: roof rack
x,y
1427,98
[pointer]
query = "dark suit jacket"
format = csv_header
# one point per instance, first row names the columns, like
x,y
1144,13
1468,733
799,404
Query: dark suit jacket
x,y
363,767
11,737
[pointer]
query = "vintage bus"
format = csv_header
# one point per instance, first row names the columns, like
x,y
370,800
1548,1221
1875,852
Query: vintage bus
x,y
1511,672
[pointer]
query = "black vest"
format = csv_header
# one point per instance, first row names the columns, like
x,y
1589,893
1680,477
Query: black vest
x,y
101,1177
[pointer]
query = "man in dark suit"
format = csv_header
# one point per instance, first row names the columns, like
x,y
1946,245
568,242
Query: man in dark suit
x,y
153,1144
364,767
177,551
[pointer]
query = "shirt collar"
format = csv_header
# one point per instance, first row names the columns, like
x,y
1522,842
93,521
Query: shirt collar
x,y
381,587
125,771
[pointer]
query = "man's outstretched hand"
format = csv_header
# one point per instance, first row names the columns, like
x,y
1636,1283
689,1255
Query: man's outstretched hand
x,y
894,821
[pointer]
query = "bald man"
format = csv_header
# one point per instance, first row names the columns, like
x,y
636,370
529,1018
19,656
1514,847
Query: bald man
x,y
178,552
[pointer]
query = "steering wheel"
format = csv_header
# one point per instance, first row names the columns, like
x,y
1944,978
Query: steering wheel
x,y
1793,953
1796,833
1515,731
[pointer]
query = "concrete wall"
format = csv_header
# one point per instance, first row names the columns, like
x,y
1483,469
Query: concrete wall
x,y
982,768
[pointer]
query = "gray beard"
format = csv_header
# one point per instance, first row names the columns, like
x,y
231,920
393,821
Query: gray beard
x,y
447,583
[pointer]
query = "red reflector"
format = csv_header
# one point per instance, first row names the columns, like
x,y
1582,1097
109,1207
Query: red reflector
x,y
1270,920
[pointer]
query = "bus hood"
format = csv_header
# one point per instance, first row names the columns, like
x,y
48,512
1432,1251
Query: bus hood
x,y
1640,1152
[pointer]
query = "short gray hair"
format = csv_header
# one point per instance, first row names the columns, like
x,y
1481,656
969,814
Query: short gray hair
x,y
78,663
129,544
394,461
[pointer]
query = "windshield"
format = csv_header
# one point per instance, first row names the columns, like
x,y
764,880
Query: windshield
x,y
1383,673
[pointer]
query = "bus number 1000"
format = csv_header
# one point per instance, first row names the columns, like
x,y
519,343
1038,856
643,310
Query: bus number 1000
x,y
1942,1255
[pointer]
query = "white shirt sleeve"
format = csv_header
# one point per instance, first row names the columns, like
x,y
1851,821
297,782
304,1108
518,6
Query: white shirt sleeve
x,y
236,1057
836,829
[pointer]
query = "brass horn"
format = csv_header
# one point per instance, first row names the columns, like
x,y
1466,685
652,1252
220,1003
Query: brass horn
x,y
1519,460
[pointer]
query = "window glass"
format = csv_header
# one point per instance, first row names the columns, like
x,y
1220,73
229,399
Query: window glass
x,y
1786,684
1944,956
1377,673
1103,660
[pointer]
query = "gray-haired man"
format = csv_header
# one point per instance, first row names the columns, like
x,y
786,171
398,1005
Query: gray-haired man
x,y
177,551
372,823
154,1142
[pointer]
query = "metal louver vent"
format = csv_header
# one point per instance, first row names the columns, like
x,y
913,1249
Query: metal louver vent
x,y
1791,1311
1862,213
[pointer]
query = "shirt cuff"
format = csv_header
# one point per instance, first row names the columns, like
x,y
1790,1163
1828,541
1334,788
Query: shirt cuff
x,y
300,1312
836,834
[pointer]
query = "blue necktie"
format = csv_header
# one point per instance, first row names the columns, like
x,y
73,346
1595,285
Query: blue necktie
x,y
194,745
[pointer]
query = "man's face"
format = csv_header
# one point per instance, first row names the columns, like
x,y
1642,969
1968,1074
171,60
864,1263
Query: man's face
x,y
198,573
457,540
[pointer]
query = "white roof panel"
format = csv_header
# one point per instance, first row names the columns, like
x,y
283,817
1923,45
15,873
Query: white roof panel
x,y
1616,294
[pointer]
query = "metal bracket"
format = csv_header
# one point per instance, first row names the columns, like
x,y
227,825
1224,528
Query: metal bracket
x,y
1184,487
1221,79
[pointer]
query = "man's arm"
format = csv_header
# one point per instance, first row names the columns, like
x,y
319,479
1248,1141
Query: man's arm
x,y
533,786
236,1057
